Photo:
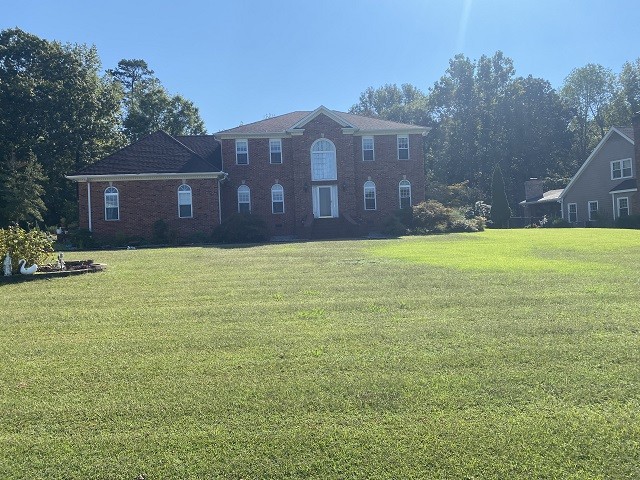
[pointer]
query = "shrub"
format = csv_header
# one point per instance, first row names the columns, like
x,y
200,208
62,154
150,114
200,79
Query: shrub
x,y
628,221
241,228
34,246
82,238
558,223
394,227
433,217
160,232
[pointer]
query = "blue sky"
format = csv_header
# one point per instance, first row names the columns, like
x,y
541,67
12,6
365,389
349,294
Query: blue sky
x,y
242,60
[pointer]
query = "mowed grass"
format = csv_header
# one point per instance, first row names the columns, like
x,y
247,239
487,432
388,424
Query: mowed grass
x,y
505,354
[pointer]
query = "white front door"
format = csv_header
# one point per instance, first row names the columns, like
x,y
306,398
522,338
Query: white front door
x,y
325,201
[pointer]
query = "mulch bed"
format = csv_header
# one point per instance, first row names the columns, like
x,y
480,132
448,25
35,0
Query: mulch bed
x,y
51,271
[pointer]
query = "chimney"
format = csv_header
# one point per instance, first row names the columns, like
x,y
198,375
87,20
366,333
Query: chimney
x,y
636,149
533,189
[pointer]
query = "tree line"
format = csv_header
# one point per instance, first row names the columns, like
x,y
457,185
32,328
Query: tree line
x,y
483,115
59,112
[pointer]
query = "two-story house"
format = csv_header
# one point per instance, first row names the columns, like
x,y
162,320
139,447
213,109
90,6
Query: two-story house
x,y
603,188
307,174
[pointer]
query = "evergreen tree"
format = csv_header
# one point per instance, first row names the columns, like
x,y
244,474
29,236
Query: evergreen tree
x,y
500,211
21,191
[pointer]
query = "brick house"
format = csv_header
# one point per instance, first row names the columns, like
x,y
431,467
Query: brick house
x,y
307,174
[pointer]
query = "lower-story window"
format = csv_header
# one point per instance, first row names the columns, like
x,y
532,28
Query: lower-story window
x,y
277,199
184,201
623,207
244,199
369,195
573,212
405,194
593,210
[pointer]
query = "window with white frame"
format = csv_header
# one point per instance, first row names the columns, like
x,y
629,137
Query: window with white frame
x,y
367,149
111,204
369,195
593,210
184,201
323,160
242,152
275,150
621,169
405,194
244,199
403,147
573,212
623,207
277,199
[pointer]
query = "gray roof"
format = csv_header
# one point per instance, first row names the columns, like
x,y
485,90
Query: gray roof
x,y
628,184
159,152
282,123
549,196
628,131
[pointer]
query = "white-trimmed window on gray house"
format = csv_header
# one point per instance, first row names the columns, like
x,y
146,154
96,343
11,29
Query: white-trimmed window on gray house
x,y
275,150
405,193
242,152
111,204
623,207
621,169
593,210
369,195
403,147
244,199
277,199
572,209
323,160
368,152
185,209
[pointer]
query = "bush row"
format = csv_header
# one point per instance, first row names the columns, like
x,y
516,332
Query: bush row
x,y
432,217
34,246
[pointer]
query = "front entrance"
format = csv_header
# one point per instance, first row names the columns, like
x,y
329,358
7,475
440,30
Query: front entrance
x,y
325,201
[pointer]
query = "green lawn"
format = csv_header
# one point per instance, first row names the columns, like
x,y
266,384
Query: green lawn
x,y
505,354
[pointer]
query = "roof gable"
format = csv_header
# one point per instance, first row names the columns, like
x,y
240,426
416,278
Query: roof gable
x,y
294,122
622,131
158,152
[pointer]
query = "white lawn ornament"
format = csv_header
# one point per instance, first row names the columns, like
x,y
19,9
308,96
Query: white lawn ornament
x,y
27,271
7,265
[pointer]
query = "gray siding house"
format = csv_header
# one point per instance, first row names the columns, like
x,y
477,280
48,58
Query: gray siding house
x,y
603,188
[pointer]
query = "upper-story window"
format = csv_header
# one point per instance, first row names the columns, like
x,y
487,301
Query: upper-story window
x,y
367,149
184,201
242,152
111,204
405,194
621,169
275,150
403,147
277,199
323,160
369,195
244,199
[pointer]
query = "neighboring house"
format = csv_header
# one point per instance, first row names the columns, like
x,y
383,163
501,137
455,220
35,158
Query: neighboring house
x,y
307,174
604,187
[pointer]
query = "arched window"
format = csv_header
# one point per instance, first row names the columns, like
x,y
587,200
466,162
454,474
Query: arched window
x,y
277,199
111,204
405,194
184,201
369,195
323,160
244,199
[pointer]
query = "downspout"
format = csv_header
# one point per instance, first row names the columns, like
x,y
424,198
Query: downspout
x,y
219,204
89,205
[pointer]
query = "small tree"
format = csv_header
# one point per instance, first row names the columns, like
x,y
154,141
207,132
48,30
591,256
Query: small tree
x,y
500,211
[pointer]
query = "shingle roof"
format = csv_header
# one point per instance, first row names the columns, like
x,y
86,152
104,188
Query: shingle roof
x,y
548,196
628,184
282,123
157,153
204,145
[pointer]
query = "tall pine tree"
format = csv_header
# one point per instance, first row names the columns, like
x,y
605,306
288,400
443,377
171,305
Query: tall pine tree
x,y
500,211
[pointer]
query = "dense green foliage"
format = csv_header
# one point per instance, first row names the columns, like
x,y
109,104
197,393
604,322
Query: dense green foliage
x,y
34,246
503,354
433,217
241,228
500,211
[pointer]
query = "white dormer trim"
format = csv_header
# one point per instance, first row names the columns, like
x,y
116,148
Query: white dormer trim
x,y
324,111
592,156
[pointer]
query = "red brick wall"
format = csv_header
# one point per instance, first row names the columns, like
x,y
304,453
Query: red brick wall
x,y
144,202
295,172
